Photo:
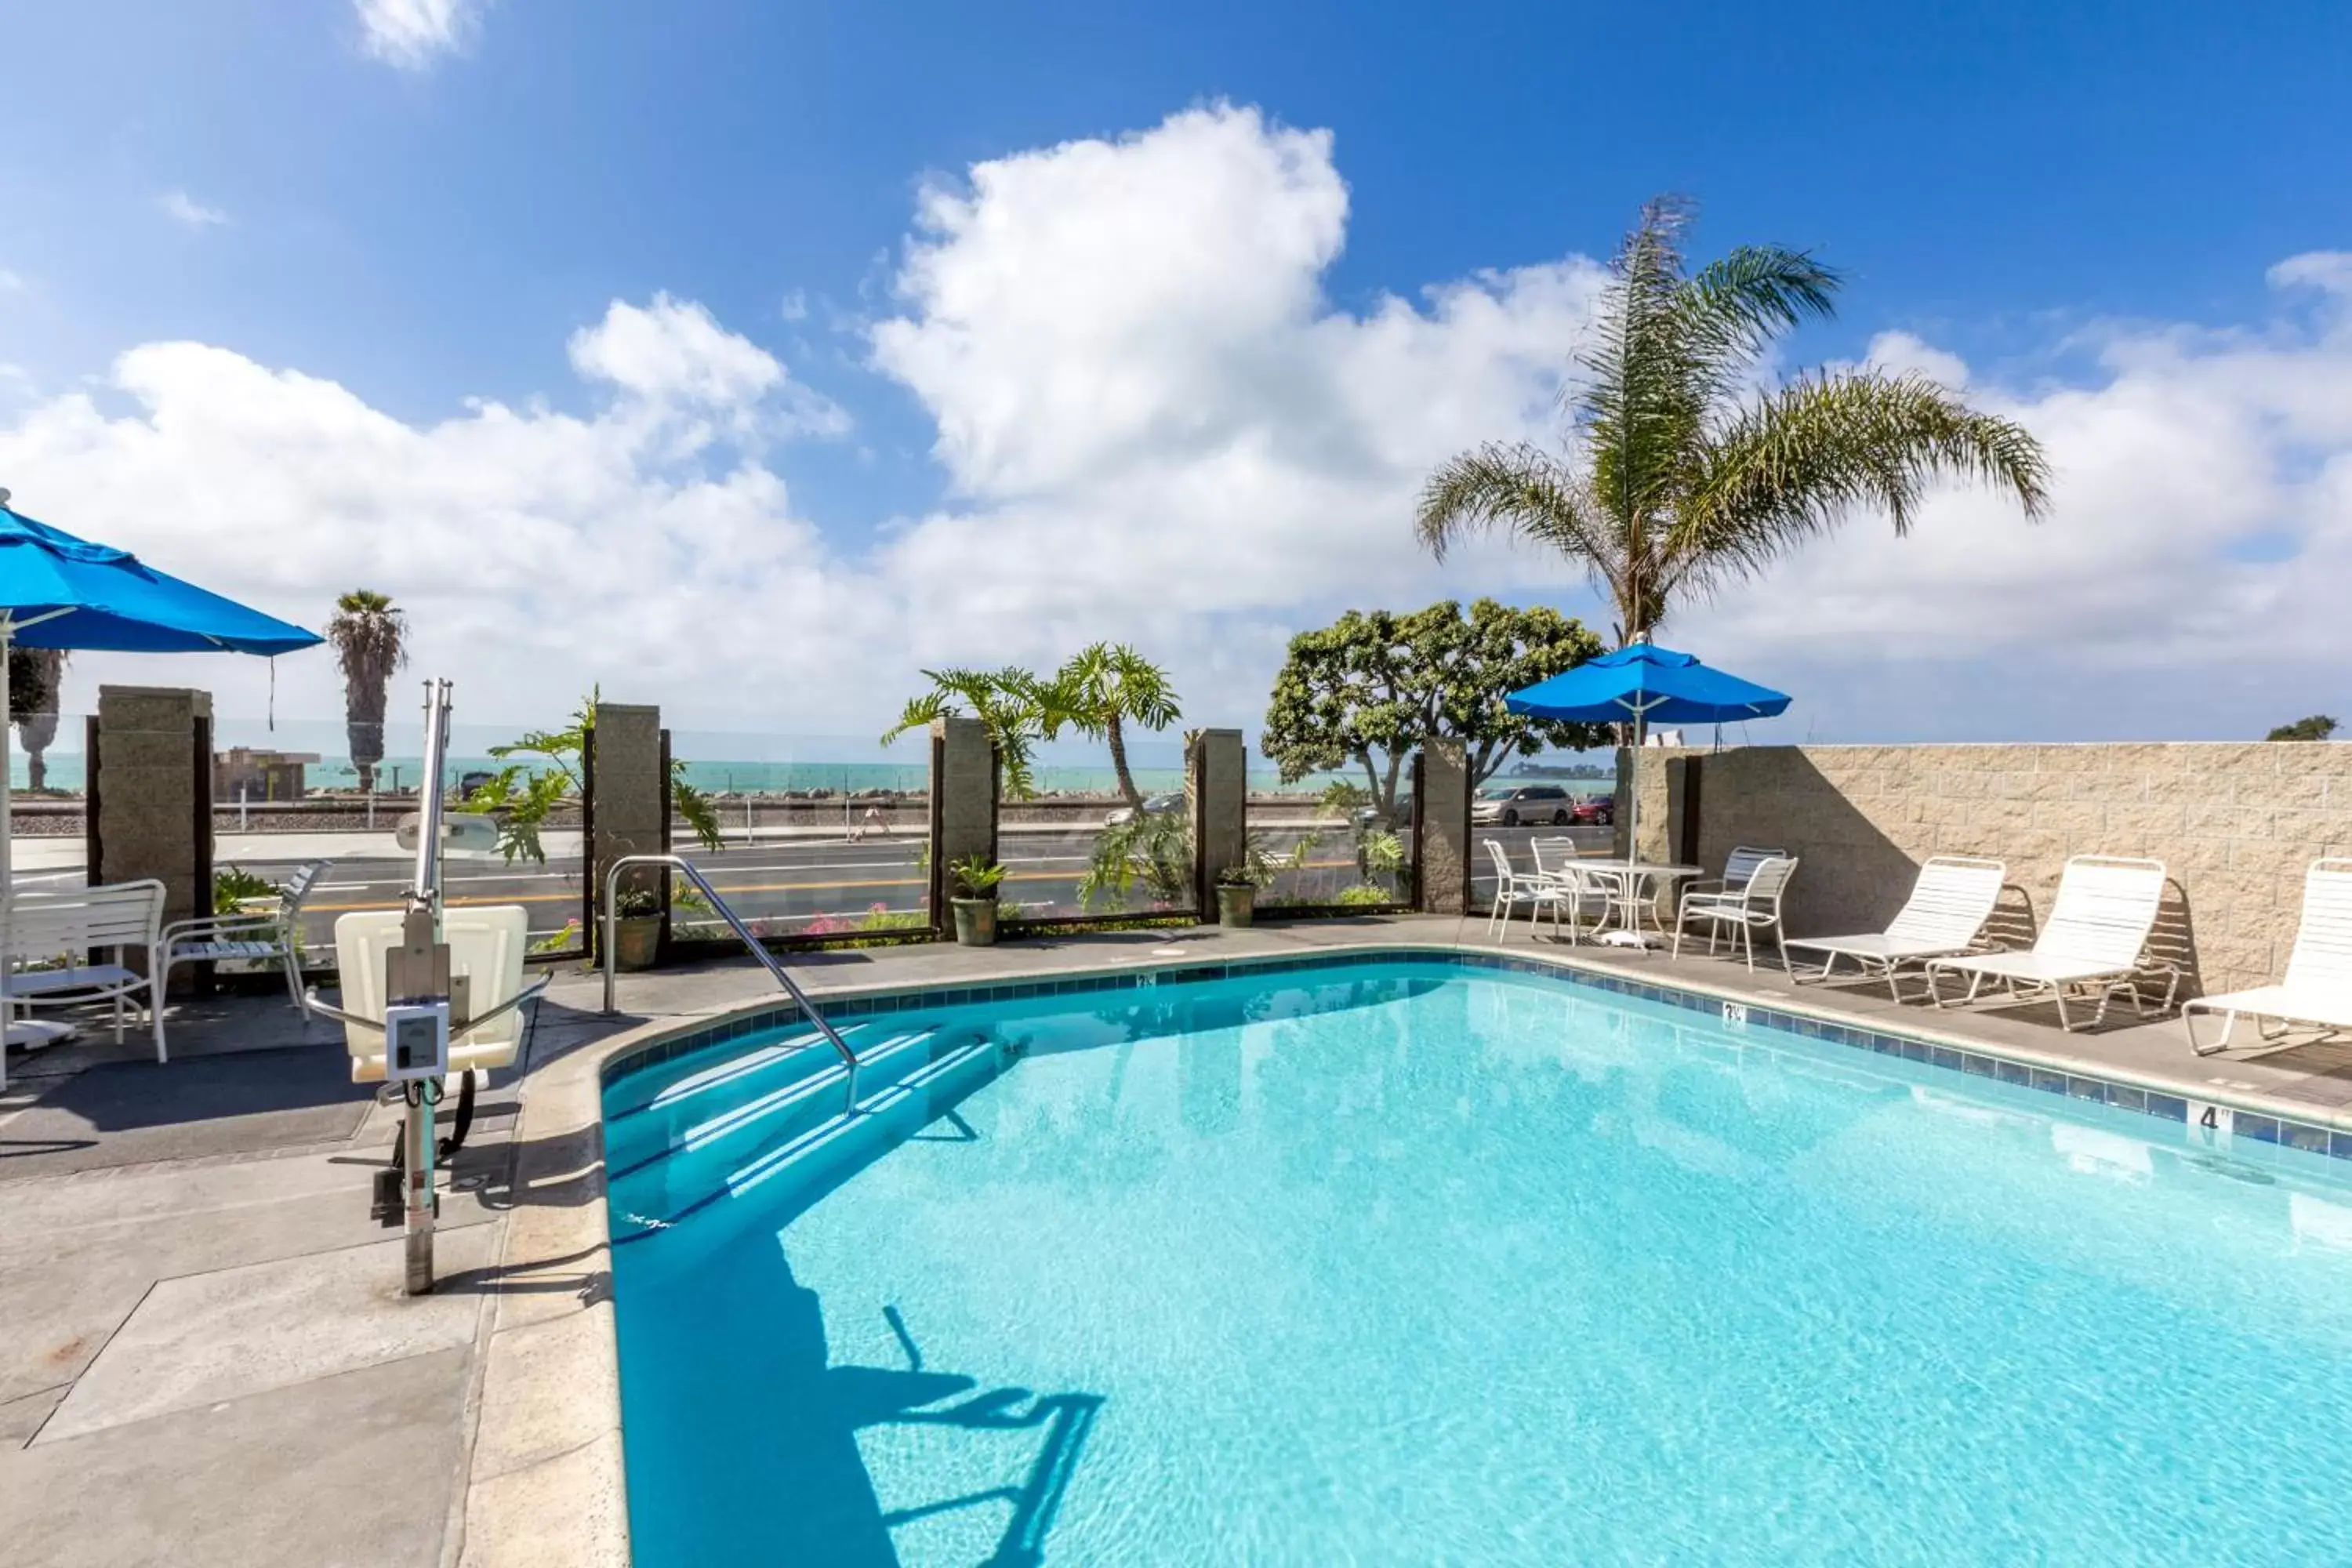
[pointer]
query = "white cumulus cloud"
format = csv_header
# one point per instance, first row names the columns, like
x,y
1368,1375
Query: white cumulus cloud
x,y
1154,423
189,213
414,34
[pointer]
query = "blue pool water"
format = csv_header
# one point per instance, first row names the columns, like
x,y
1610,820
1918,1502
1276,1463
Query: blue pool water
x,y
1415,1264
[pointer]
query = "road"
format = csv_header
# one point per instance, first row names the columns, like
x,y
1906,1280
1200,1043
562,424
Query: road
x,y
793,880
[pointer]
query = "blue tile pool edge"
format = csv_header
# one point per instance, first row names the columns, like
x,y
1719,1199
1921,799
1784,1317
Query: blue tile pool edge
x,y
2254,1117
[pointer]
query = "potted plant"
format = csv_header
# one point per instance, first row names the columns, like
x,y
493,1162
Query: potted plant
x,y
975,878
1236,895
637,928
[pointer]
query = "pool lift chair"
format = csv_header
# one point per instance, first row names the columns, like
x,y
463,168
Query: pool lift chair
x,y
428,992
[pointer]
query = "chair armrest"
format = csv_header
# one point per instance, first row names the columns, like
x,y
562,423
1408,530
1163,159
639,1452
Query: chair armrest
x,y
209,926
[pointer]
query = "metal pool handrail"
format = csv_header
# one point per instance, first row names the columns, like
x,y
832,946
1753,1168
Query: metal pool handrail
x,y
686,868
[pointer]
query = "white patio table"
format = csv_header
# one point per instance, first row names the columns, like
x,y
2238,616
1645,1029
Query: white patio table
x,y
1634,881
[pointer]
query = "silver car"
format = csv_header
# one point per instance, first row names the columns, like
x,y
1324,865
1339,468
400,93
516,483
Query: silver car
x,y
1153,805
1507,806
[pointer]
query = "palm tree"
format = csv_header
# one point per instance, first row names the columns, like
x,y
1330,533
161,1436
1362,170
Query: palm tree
x,y
1684,478
1104,688
35,676
371,641
1018,708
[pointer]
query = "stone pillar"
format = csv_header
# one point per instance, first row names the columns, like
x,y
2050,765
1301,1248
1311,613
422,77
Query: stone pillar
x,y
1217,779
1658,772
152,802
963,803
1442,859
624,778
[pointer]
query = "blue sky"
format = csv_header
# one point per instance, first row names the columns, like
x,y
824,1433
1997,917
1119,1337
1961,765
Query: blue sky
x,y
2066,205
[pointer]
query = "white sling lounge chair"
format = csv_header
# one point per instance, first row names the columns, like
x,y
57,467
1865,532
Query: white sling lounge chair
x,y
2096,940
2317,991
1948,906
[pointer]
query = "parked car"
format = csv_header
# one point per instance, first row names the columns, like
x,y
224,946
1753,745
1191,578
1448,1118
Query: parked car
x,y
1153,805
1507,806
1399,818
1594,811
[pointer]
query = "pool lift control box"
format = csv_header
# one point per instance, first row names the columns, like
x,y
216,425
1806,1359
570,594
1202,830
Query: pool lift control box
x,y
416,1041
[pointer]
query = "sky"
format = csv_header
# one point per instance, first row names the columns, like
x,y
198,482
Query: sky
x,y
749,358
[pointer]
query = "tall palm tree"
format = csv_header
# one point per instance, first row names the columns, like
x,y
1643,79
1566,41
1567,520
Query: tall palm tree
x,y
35,676
371,638
1103,688
1684,478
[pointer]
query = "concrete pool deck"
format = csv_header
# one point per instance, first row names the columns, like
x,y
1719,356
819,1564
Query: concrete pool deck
x,y
208,1361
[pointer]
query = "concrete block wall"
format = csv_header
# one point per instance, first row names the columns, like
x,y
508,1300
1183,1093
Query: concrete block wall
x,y
1443,866
2235,823
1218,775
628,787
153,816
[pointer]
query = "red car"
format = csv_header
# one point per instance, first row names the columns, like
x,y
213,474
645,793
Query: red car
x,y
1595,811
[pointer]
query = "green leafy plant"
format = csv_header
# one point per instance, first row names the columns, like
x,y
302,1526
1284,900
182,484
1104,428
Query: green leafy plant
x,y
234,885
1373,687
976,877
36,675
1363,895
636,903
1018,708
2318,727
1153,848
1682,478
1102,689
546,768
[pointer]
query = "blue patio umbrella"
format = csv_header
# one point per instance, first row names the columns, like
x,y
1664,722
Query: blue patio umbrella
x,y
56,591
1640,682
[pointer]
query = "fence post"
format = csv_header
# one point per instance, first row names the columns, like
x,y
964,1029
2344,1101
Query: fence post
x,y
964,804
1441,809
625,776
1219,784
151,795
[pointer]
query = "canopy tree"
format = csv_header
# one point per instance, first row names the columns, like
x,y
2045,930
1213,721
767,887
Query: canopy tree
x,y
371,638
1681,477
2318,727
1366,691
1102,689
35,677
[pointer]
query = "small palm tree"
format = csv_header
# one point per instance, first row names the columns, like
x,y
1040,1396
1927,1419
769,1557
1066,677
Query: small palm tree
x,y
1018,708
1108,686
35,676
371,640
1684,479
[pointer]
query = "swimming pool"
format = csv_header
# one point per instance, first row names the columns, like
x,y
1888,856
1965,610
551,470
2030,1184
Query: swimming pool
x,y
1415,1262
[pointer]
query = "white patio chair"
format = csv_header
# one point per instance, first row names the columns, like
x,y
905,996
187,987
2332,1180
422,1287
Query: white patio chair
x,y
65,929
1949,904
2095,942
259,938
1753,906
1737,866
1513,888
2316,992
1581,892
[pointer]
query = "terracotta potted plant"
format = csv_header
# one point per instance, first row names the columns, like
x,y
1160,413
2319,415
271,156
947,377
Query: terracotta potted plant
x,y
975,878
1236,896
637,928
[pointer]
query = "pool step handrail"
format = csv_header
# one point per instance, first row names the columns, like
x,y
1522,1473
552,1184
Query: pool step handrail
x,y
686,868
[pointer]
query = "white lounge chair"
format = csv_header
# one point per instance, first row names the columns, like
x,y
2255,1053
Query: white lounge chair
x,y
1513,888
1751,906
255,938
2317,991
1948,905
2096,940
65,929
